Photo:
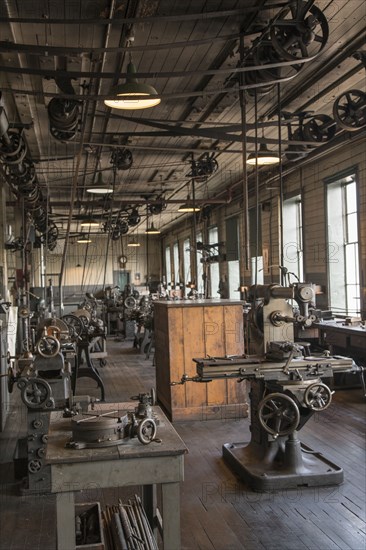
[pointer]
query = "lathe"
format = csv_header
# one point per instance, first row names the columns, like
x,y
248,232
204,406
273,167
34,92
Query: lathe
x,y
287,386
46,380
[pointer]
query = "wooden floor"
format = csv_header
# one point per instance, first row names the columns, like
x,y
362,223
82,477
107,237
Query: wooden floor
x,y
218,512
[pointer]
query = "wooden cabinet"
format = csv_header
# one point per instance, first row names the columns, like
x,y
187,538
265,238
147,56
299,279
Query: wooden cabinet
x,y
188,329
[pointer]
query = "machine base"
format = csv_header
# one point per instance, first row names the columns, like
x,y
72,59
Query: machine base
x,y
265,473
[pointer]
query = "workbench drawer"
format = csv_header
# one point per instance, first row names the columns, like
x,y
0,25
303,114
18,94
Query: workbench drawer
x,y
91,510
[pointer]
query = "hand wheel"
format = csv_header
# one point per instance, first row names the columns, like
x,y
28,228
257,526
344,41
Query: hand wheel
x,y
48,346
146,431
278,414
35,393
75,325
317,396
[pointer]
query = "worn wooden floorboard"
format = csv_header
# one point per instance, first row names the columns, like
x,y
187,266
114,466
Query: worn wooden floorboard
x,y
218,511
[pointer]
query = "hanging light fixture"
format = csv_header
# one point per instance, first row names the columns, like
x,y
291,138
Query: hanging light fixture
x,y
100,188
189,206
84,239
90,222
263,157
121,94
133,243
152,230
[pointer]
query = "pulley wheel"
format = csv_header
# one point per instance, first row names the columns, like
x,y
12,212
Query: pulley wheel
x,y
349,110
299,32
278,414
320,129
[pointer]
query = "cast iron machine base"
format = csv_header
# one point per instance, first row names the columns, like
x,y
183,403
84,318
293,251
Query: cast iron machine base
x,y
284,396
269,463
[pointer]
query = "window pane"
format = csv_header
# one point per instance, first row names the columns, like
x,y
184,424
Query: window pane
x,y
199,282
292,236
215,280
187,260
234,278
168,269
352,228
353,299
351,197
260,272
351,264
176,263
342,259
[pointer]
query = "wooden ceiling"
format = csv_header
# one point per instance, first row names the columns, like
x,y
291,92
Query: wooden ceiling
x,y
198,55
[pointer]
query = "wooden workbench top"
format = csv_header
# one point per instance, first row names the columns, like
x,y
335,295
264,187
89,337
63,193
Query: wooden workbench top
x,y
60,433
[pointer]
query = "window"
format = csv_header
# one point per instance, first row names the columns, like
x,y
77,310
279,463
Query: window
x,y
232,256
176,263
168,267
292,238
255,245
200,282
343,253
213,238
187,260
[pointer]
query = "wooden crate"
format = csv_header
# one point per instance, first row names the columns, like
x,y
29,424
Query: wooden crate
x,y
188,329
85,507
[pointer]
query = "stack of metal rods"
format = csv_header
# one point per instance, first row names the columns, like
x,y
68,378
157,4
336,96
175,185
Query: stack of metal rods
x,y
126,527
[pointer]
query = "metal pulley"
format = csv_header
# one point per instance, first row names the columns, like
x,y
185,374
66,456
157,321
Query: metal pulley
x,y
349,110
299,31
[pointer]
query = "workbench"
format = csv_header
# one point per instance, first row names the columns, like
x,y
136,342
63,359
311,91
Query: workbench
x,y
126,464
343,338
184,329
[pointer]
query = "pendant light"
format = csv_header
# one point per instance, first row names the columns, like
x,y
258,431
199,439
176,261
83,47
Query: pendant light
x,y
90,222
152,230
100,188
146,95
189,206
84,239
263,157
133,243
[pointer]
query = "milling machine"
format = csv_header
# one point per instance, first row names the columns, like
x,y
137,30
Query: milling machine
x,y
287,386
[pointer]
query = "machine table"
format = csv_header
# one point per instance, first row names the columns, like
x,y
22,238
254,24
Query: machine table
x,y
121,465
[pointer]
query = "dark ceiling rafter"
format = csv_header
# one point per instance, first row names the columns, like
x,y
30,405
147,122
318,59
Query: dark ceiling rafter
x,y
6,46
203,16
211,133
161,74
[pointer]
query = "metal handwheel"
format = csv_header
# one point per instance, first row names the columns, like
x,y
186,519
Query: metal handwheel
x,y
35,393
349,110
278,414
130,302
299,31
146,431
74,323
318,396
48,346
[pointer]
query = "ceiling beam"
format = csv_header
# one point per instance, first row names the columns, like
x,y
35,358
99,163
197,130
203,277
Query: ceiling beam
x,y
203,16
